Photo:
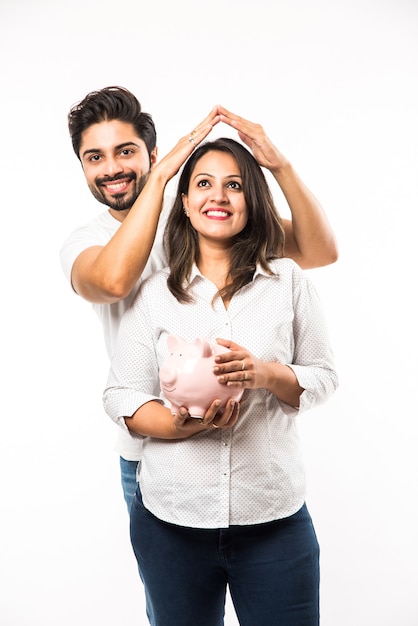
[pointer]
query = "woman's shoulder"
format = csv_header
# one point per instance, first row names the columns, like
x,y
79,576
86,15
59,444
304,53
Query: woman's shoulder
x,y
285,265
289,273
152,284
158,276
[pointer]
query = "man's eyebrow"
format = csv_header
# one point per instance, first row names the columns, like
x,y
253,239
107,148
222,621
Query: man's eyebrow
x,y
118,147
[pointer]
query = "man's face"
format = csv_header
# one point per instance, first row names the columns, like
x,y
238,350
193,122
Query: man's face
x,y
116,163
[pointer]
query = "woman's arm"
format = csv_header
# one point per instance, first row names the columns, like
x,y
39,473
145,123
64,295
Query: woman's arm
x,y
277,378
309,376
310,240
153,419
132,395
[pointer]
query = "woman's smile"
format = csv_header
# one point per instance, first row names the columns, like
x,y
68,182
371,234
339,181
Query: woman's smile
x,y
216,197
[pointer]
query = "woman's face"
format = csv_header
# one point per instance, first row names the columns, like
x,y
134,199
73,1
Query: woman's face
x,y
215,200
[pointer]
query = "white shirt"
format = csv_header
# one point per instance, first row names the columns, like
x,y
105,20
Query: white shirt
x,y
98,232
252,473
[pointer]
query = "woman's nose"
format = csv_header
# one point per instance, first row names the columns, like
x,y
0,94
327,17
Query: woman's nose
x,y
218,194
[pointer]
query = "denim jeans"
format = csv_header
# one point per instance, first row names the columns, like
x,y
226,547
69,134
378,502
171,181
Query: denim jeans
x,y
272,571
128,479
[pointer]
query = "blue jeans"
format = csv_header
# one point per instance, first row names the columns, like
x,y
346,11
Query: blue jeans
x,y
128,480
128,471
272,571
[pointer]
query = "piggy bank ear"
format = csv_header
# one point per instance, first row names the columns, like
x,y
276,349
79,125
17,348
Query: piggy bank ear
x,y
174,342
203,347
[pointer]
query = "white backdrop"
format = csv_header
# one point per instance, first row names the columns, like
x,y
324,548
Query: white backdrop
x,y
335,85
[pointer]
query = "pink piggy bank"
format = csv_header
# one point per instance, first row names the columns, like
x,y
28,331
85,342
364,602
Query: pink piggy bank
x,y
187,377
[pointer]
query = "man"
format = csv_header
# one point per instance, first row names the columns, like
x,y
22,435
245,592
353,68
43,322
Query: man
x,y
106,259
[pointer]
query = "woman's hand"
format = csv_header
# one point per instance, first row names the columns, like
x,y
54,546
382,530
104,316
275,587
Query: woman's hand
x,y
239,368
153,419
254,136
224,418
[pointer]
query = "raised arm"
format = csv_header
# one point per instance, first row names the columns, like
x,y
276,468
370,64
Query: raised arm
x,y
106,274
310,240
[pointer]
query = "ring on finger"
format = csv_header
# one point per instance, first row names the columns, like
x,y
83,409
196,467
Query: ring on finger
x,y
192,136
214,425
242,365
245,376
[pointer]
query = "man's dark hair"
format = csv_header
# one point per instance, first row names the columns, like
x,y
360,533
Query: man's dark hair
x,y
110,103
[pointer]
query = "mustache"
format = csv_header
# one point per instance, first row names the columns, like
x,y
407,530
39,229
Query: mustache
x,y
113,179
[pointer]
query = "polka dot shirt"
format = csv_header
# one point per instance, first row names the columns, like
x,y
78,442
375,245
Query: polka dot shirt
x,y
252,473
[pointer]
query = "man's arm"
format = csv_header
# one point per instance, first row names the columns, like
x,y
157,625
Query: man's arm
x,y
310,240
107,274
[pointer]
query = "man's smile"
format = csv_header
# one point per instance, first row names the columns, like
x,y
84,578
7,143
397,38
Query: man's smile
x,y
116,187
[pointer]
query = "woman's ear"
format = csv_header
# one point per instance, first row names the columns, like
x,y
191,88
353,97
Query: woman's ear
x,y
185,204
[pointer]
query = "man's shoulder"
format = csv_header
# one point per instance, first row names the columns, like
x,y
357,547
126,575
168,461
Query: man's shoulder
x,y
95,232
104,222
98,230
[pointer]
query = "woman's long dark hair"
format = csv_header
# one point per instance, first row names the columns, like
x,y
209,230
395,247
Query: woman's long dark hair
x,y
261,240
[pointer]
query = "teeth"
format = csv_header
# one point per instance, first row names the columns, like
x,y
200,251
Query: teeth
x,y
217,213
116,186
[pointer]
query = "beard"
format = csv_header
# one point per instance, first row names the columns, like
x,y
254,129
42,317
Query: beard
x,y
123,201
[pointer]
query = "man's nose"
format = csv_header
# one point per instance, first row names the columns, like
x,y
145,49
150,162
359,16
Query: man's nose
x,y
112,167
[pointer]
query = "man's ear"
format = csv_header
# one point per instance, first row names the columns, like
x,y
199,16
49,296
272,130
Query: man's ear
x,y
153,156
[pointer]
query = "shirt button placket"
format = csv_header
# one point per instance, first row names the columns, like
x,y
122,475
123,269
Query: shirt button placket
x,y
228,327
225,475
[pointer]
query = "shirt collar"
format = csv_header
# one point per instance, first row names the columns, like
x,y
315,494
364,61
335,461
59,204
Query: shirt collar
x,y
260,271
196,273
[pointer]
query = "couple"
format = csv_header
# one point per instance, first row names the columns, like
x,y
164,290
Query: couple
x,y
220,501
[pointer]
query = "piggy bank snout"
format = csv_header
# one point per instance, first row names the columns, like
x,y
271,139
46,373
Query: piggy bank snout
x,y
168,375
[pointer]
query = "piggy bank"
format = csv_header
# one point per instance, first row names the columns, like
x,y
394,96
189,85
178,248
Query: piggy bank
x,y
187,377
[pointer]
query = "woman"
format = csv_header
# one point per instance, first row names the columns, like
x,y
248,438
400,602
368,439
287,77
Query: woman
x,y
222,500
